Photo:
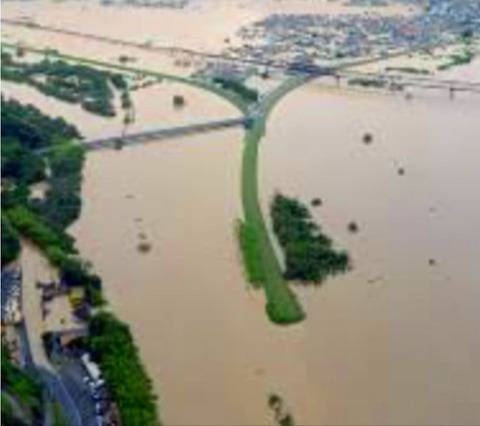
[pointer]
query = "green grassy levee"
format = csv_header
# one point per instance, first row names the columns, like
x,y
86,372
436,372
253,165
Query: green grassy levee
x,y
261,264
251,254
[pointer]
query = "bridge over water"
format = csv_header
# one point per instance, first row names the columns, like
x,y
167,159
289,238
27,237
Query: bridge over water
x,y
117,142
402,81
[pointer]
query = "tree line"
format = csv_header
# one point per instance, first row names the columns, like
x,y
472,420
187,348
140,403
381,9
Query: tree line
x,y
310,256
24,388
246,93
111,344
44,222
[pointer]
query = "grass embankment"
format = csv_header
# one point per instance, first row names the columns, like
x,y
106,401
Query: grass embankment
x,y
262,267
251,253
261,264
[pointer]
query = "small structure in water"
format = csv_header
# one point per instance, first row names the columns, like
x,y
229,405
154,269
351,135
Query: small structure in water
x,y
144,247
178,101
367,138
353,227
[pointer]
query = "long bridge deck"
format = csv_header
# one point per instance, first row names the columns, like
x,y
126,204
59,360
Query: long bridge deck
x,y
138,138
421,82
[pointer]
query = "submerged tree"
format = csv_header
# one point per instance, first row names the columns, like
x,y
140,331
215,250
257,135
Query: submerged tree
x,y
178,101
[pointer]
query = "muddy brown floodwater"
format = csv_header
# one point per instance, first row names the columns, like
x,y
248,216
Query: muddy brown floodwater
x,y
203,334
396,340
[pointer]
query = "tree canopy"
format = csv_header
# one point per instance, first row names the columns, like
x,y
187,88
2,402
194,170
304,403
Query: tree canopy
x,y
309,254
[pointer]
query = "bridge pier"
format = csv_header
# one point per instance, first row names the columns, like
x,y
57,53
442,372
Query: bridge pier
x,y
451,92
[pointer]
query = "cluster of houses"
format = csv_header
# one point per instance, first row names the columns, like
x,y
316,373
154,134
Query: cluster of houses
x,y
318,38
11,309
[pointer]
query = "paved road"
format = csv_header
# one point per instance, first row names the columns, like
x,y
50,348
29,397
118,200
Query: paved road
x,y
34,267
54,385
72,374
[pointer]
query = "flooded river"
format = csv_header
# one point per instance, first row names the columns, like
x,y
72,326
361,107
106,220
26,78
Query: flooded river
x,y
394,341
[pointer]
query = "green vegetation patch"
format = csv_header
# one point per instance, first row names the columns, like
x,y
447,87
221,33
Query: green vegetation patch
x,y
43,222
309,254
456,59
10,242
205,84
58,416
75,83
22,386
112,346
33,129
260,261
246,93
374,83
63,202
408,70
281,414
32,226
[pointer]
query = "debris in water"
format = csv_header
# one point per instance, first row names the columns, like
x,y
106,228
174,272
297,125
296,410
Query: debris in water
x,y
144,247
367,138
353,227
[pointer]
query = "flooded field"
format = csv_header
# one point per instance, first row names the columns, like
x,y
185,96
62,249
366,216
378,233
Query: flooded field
x,y
153,108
